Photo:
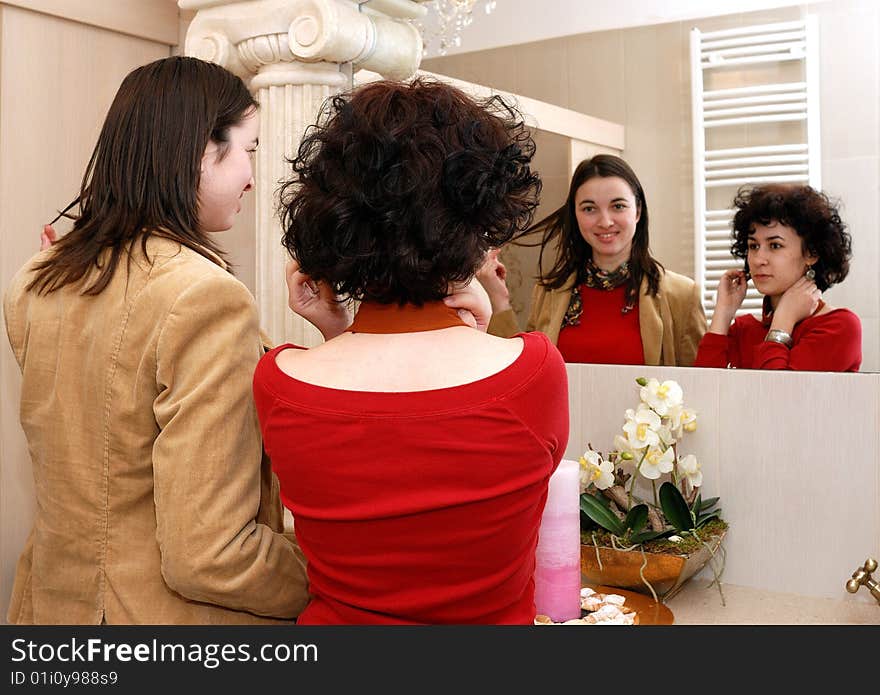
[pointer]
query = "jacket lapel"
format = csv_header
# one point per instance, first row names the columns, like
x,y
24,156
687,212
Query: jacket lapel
x,y
561,298
650,324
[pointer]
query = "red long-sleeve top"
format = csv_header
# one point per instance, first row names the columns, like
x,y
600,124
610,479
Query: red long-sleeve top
x,y
605,334
419,507
829,342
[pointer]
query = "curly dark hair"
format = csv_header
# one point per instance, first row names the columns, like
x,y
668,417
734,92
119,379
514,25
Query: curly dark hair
x,y
401,188
811,213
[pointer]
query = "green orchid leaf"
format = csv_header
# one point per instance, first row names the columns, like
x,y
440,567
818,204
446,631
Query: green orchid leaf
x,y
695,507
636,518
601,514
674,507
709,503
651,535
706,518
709,512
599,497
587,524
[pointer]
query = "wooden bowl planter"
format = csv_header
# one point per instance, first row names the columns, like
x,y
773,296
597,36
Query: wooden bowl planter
x,y
665,572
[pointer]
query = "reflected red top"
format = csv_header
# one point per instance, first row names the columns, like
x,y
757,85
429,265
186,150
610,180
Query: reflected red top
x,y
418,507
605,334
829,342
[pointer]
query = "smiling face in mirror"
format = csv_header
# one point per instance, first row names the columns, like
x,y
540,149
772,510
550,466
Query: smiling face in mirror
x,y
777,258
607,214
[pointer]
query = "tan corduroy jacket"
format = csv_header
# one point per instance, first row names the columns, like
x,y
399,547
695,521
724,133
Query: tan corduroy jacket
x,y
671,323
153,505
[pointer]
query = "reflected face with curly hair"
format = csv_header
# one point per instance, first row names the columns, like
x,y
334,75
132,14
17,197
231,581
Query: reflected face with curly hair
x,y
607,214
777,258
780,229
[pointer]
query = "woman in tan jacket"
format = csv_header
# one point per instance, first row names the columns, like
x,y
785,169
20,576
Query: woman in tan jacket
x,y
137,348
606,299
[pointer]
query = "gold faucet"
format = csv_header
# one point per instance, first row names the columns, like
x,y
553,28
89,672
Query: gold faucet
x,y
863,576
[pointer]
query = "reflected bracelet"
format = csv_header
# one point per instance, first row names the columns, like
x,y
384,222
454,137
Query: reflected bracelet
x,y
774,335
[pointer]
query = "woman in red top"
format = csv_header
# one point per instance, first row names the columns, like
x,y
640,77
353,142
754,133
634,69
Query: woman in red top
x,y
413,450
795,246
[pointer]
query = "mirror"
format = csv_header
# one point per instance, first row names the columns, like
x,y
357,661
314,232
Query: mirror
x,y
639,76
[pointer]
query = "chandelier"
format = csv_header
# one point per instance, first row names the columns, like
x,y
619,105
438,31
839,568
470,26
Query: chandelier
x,y
452,16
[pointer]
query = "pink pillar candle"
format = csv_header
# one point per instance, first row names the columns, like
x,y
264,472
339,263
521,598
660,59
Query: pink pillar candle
x,y
557,561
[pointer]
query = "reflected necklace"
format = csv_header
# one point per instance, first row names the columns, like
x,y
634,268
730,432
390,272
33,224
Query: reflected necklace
x,y
597,278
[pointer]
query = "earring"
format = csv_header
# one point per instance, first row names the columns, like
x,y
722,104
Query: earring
x,y
809,273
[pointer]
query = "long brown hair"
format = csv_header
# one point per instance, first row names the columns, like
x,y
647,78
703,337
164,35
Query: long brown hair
x,y
573,251
143,175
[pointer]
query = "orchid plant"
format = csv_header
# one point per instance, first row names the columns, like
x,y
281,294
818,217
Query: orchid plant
x,y
648,446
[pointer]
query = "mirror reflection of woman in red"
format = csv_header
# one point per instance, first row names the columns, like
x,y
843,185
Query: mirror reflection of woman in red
x,y
795,247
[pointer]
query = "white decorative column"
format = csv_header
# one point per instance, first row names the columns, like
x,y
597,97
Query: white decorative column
x,y
294,54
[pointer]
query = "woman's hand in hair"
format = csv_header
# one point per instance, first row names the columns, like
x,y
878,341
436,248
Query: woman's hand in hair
x,y
472,302
728,299
797,303
47,237
492,276
316,302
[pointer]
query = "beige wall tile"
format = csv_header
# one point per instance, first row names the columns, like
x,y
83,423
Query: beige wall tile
x,y
443,65
494,68
856,182
597,84
797,527
535,80
658,138
551,152
849,57
870,347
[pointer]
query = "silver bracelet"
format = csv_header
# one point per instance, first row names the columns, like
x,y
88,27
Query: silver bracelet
x,y
774,335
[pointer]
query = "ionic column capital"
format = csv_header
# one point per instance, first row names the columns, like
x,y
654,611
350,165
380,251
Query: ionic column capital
x,y
246,36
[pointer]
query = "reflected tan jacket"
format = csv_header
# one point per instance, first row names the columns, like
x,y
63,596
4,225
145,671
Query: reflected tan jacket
x,y
153,504
671,323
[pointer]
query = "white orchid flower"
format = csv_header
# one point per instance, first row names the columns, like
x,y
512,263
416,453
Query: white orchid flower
x,y
624,450
641,428
665,435
689,467
596,471
661,397
657,462
589,459
681,419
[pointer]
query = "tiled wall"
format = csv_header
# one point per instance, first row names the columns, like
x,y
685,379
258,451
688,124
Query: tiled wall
x,y
641,78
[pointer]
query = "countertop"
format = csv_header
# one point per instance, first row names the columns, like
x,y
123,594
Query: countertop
x,y
699,604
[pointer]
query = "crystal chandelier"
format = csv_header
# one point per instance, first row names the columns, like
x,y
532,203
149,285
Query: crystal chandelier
x,y
452,16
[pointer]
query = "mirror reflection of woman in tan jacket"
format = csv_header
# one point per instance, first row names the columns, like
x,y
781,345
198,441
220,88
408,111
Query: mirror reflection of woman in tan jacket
x,y
137,348
606,299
